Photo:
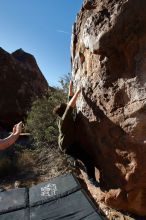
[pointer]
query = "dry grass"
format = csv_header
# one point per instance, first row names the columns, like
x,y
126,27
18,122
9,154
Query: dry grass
x,y
35,166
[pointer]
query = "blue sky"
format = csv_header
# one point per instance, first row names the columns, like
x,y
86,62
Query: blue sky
x,y
42,28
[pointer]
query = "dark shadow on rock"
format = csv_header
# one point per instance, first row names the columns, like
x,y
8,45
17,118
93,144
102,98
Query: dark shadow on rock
x,y
103,139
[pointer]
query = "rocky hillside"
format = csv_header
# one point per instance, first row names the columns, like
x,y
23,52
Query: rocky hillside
x,y
21,81
108,60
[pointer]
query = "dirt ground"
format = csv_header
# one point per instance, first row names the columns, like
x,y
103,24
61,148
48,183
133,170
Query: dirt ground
x,y
35,166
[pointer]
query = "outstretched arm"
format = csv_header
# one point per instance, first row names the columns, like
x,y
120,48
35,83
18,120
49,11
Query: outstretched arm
x,y
7,142
72,102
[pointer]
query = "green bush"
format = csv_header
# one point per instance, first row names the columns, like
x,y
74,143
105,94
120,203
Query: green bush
x,y
41,122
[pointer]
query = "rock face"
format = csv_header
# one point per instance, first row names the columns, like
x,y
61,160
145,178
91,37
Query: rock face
x,y
20,82
109,60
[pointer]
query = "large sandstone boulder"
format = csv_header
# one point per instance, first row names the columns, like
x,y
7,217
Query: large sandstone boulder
x,y
21,81
109,61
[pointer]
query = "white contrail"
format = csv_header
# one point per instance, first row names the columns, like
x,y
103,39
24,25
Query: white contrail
x,y
64,32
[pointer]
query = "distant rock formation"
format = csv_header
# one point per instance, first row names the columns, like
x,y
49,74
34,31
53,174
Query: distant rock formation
x,y
109,61
21,81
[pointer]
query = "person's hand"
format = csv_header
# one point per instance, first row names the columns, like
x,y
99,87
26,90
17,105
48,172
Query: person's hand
x,y
17,129
71,93
71,83
14,129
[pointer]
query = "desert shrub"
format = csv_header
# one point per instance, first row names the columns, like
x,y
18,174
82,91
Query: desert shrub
x,y
41,122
